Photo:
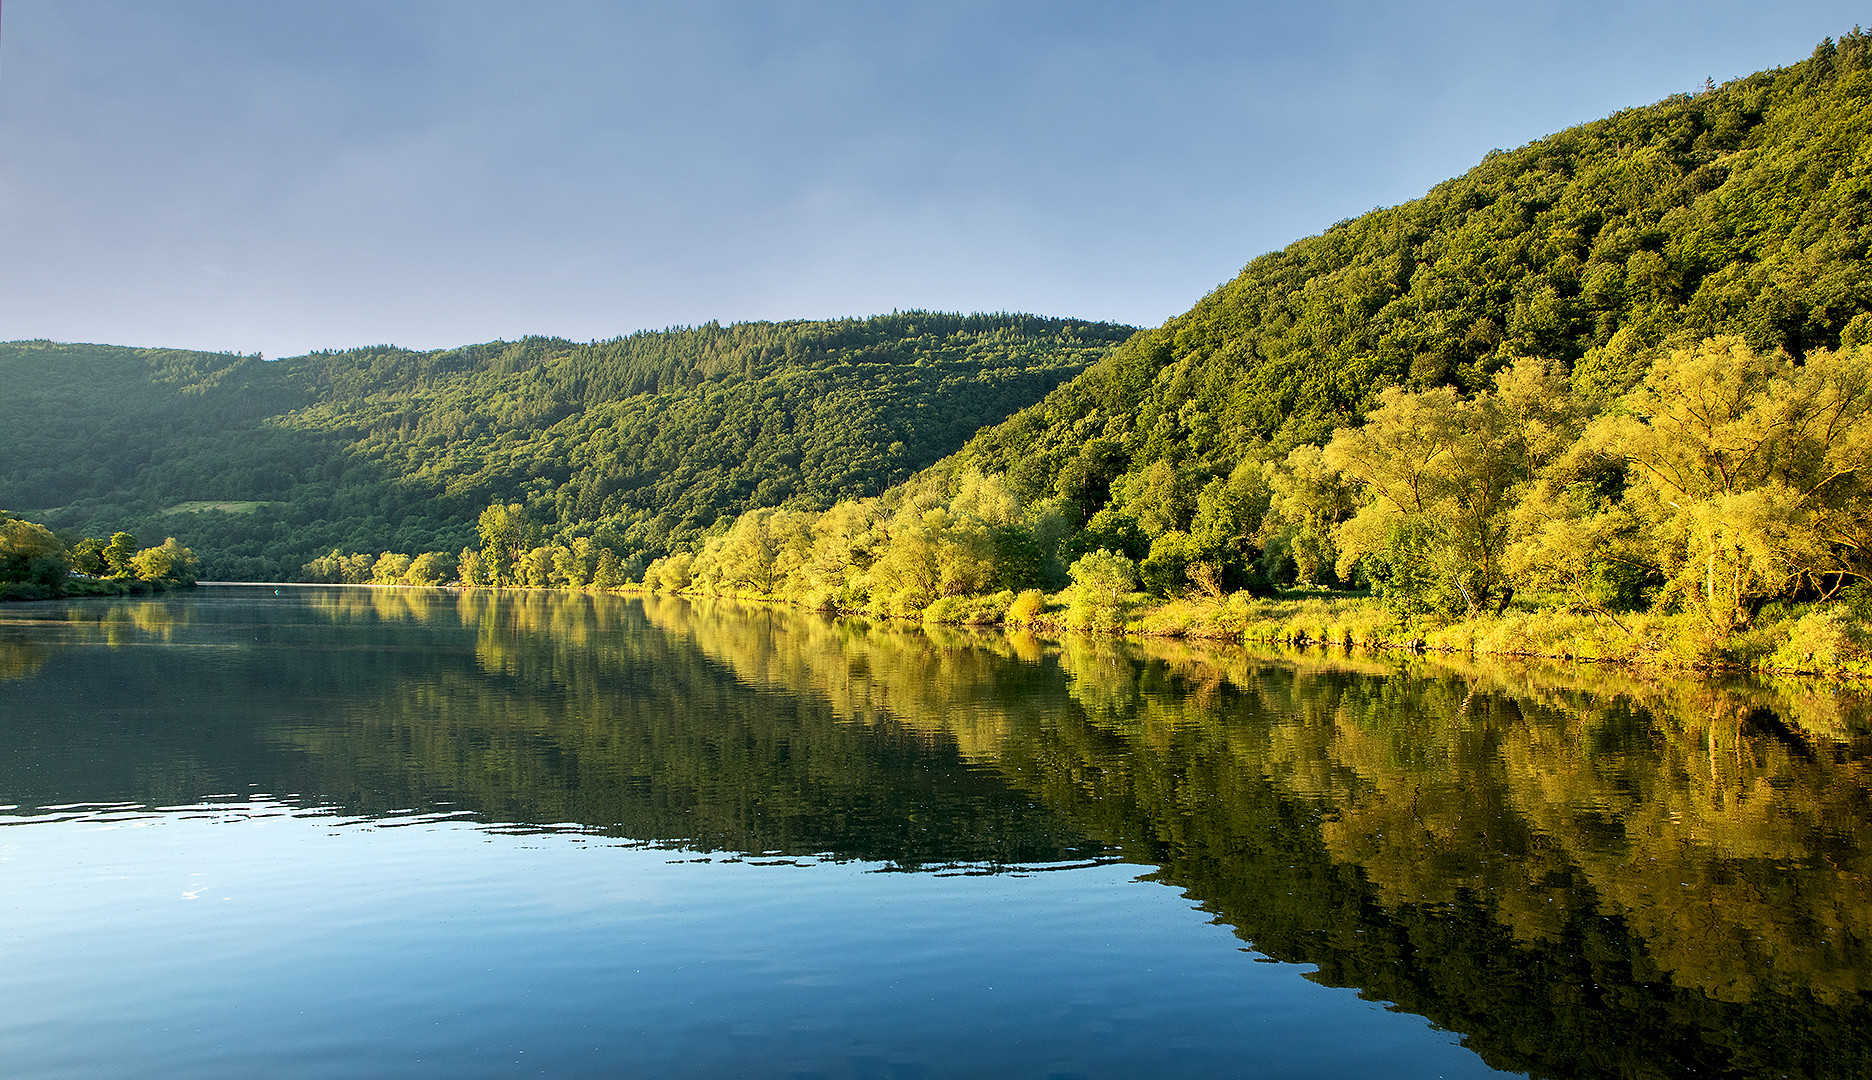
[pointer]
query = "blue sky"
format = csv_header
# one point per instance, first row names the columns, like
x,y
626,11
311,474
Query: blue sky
x,y
287,177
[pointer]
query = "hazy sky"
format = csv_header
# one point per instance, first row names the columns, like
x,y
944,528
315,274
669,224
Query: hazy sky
x,y
287,177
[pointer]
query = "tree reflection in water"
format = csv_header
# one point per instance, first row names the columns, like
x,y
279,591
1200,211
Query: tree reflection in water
x,y
1581,869
1584,871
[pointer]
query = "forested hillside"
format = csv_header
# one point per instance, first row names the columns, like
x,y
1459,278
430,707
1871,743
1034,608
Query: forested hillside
x,y
648,439
1740,210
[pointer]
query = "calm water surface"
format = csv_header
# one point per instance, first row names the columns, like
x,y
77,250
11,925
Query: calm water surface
x,y
406,833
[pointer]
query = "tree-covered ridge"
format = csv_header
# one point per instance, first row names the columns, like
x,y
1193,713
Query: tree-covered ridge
x,y
109,425
667,432
1745,209
647,439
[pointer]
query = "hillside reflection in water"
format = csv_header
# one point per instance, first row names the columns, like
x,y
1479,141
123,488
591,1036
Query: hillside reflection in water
x,y
1582,871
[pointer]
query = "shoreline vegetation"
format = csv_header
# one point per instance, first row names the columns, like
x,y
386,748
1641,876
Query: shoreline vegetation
x,y
1716,515
39,564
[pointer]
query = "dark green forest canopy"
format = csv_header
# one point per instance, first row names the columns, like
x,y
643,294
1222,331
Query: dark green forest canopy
x,y
654,436
1745,209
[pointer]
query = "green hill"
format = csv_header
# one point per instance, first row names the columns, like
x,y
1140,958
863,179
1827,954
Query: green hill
x,y
1745,209
259,465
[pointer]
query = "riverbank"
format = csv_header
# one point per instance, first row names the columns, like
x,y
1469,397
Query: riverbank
x,y
80,587
1831,640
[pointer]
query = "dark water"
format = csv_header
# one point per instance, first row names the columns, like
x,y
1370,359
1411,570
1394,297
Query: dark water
x,y
405,833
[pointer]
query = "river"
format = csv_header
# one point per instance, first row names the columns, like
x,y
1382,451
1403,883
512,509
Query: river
x,y
413,833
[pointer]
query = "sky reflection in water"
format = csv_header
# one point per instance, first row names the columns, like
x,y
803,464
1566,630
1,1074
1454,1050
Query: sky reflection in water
x,y
263,939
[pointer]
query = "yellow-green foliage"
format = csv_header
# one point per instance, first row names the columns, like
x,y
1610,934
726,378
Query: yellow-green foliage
x,y
429,568
31,555
35,564
1320,621
1026,608
1833,640
1504,523
972,610
390,568
169,563
1102,596
1827,640
1747,472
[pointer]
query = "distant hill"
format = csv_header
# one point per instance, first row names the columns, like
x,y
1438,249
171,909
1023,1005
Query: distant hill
x,y
1743,209
259,465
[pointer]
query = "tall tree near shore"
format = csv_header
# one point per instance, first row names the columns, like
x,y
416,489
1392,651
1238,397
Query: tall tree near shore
x,y
1749,473
1441,473
506,536
118,553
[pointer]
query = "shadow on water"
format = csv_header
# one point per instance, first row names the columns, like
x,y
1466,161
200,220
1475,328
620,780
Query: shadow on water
x,y
1583,871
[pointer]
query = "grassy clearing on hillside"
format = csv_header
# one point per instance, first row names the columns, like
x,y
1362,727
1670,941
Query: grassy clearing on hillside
x,y
199,506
